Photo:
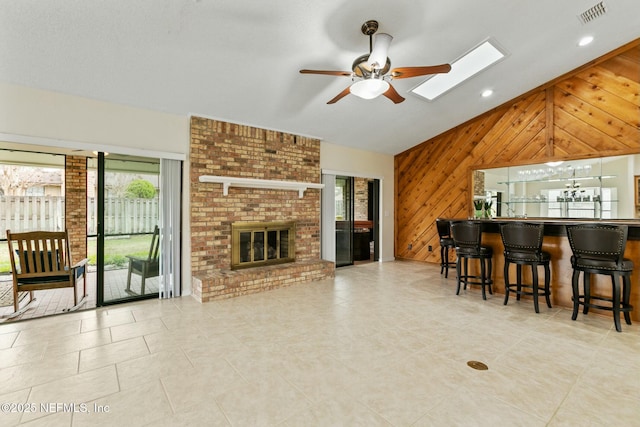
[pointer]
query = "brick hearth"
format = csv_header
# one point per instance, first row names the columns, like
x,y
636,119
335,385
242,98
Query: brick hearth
x,y
234,283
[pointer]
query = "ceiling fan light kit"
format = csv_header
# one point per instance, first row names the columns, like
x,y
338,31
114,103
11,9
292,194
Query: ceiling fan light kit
x,y
371,73
369,88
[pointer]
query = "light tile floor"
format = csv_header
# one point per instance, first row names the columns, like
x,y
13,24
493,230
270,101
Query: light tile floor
x,y
382,344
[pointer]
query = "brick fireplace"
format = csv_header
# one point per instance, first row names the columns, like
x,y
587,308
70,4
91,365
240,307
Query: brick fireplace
x,y
231,150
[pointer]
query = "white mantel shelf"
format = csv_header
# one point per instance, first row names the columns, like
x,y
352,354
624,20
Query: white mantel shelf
x,y
228,181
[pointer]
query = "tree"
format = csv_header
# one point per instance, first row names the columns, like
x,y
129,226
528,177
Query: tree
x,y
141,189
14,180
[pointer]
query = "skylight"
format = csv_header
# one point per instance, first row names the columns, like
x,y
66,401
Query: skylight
x,y
462,69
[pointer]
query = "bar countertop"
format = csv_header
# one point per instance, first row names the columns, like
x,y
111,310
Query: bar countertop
x,y
555,226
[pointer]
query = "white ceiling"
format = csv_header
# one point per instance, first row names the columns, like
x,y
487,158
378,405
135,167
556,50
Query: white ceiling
x,y
238,60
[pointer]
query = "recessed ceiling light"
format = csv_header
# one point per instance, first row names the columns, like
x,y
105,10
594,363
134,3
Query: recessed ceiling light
x,y
585,41
463,68
487,93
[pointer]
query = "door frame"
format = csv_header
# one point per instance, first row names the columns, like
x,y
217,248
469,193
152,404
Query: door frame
x,y
327,227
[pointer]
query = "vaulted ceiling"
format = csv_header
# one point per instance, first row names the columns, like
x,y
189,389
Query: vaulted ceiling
x,y
238,60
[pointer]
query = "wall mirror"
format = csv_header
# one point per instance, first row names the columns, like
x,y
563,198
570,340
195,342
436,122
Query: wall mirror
x,y
596,188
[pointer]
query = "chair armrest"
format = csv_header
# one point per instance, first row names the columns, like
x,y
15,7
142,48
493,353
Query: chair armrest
x,y
79,264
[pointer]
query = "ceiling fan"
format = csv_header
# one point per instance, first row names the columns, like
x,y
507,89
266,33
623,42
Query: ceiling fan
x,y
370,72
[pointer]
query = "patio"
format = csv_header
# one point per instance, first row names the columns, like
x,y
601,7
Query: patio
x,y
57,301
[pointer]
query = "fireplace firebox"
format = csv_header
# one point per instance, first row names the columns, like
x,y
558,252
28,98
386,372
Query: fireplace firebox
x,y
255,244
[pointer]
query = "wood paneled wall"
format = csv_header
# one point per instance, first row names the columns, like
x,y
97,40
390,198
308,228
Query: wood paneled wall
x,y
593,111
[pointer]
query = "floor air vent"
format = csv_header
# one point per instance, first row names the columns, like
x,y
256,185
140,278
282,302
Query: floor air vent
x,y
592,13
477,365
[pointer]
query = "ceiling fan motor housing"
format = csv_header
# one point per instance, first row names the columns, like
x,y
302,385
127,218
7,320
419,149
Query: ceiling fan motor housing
x,y
361,67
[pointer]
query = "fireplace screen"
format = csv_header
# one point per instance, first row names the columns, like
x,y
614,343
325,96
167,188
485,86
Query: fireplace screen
x,y
256,244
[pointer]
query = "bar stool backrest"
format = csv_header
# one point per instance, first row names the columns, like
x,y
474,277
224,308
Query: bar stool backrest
x,y
466,234
444,228
522,237
598,241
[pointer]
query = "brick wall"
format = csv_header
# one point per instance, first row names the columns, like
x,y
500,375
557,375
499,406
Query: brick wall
x,y
226,149
361,198
478,183
76,205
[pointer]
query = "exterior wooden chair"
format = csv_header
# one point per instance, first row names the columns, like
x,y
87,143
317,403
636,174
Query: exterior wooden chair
x,y
145,267
41,260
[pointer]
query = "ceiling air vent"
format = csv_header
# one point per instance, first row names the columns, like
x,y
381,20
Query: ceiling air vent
x,y
593,12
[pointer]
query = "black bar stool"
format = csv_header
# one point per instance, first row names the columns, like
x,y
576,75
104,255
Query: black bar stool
x,y
446,243
467,236
599,249
523,246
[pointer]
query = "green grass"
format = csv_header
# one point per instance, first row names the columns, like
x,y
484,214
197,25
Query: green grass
x,y
5,266
116,249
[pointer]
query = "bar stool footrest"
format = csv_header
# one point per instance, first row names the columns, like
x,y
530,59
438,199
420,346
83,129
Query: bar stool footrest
x,y
541,290
465,280
623,307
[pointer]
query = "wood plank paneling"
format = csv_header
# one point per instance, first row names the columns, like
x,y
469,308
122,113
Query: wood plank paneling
x,y
587,133
620,85
596,117
594,95
567,146
626,64
591,112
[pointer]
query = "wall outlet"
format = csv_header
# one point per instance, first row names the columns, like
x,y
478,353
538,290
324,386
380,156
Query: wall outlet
x,y
410,246
430,248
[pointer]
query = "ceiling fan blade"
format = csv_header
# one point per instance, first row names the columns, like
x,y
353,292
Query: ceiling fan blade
x,y
406,72
341,95
327,73
393,95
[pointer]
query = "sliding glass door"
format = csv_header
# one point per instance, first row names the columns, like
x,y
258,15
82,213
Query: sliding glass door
x,y
128,228
344,202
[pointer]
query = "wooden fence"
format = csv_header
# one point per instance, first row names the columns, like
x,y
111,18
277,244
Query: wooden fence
x,y
122,215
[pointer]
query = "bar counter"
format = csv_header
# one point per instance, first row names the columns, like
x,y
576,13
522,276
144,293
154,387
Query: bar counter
x,y
556,243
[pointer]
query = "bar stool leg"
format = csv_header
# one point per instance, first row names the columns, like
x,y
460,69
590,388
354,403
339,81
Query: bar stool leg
x,y
626,297
459,273
446,262
442,248
489,268
547,282
466,272
616,301
576,293
587,292
506,282
534,275
482,279
519,281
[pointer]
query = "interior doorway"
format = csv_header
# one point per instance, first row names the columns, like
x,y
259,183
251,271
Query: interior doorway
x,y
345,229
350,219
